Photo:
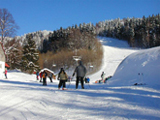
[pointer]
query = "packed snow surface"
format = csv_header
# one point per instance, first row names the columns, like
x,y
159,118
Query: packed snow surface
x,y
22,97
142,67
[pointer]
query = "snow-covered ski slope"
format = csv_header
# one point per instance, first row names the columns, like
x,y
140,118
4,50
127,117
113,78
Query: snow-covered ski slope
x,y
24,98
114,52
142,67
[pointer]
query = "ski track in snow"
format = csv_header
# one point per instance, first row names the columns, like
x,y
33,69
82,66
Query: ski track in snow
x,y
23,98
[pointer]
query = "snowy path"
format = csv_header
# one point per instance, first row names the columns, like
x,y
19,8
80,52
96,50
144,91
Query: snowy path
x,y
23,98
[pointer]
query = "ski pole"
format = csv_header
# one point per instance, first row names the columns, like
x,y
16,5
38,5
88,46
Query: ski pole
x,y
89,85
69,83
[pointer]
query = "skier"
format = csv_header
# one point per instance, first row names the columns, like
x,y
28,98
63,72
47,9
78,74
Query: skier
x,y
62,77
87,80
80,74
40,74
5,73
44,75
37,74
51,76
107,78
103,76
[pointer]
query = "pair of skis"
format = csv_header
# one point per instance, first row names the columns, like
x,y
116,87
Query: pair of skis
x,y
70,83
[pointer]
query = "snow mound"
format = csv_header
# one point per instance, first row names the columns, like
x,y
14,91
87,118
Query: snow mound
x,y
139,67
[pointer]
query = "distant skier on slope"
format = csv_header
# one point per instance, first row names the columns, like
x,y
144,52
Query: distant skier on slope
x,y
37,75
44,75
40,74
103,76
80,74
51,76
5,73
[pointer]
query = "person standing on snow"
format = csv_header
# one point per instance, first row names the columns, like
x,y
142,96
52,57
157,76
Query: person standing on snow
x,y
62,76
44,75
80,74
103,76
40,74
37,74
5,73
51,76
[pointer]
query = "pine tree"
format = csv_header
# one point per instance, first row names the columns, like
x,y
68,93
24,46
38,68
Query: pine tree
x,y
13,51
30,55
140,32
117,31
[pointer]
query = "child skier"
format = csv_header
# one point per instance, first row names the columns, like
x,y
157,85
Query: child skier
x,y
62,76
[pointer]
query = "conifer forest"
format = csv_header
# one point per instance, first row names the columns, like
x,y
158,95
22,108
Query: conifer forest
x,y
59,46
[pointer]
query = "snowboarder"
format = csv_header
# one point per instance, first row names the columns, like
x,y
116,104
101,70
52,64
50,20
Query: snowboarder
x,y
44,75
62,77
80,74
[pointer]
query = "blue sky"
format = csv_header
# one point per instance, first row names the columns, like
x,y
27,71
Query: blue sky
x,y
35,15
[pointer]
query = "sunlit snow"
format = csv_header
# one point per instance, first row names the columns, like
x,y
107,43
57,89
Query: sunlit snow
x,y
22,97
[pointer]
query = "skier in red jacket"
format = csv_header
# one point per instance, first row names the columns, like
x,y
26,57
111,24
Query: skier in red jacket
x,y
5,73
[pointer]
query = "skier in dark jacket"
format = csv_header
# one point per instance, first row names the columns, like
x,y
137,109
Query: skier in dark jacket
x,y
51,76
80,74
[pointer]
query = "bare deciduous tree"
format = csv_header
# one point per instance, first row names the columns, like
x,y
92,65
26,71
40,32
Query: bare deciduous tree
x,y
8,26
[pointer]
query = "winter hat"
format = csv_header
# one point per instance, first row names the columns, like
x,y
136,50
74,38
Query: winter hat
x,y
80,63
62,69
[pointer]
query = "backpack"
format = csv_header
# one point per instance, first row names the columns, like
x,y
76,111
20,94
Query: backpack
x,y
43,75
63,76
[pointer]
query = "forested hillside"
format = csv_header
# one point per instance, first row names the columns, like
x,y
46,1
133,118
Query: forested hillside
x,y
59,46
63,44
139,32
